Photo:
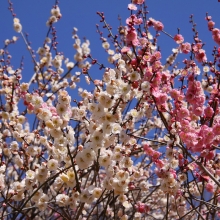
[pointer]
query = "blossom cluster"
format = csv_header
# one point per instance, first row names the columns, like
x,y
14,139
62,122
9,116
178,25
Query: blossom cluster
x,y
142,145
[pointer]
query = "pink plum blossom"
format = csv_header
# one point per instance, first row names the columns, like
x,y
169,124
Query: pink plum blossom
x,y
178,38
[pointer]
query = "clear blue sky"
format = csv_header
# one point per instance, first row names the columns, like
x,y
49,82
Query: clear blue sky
x,y
33,15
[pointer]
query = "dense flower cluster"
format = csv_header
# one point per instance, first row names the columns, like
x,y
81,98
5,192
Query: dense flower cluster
x,y
94,158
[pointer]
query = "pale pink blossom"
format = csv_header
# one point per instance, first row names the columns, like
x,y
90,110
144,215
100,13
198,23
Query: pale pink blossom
x,y
132,7
178,38
211,25
125,49
185,47
201,56
158,26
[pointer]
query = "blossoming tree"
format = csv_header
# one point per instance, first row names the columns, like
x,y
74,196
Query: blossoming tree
x,y
142,145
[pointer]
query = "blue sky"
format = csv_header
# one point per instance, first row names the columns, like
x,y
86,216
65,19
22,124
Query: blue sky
x,y
33,15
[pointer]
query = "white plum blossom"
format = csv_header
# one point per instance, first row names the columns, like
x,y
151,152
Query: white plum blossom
x,y
17,25
62,200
